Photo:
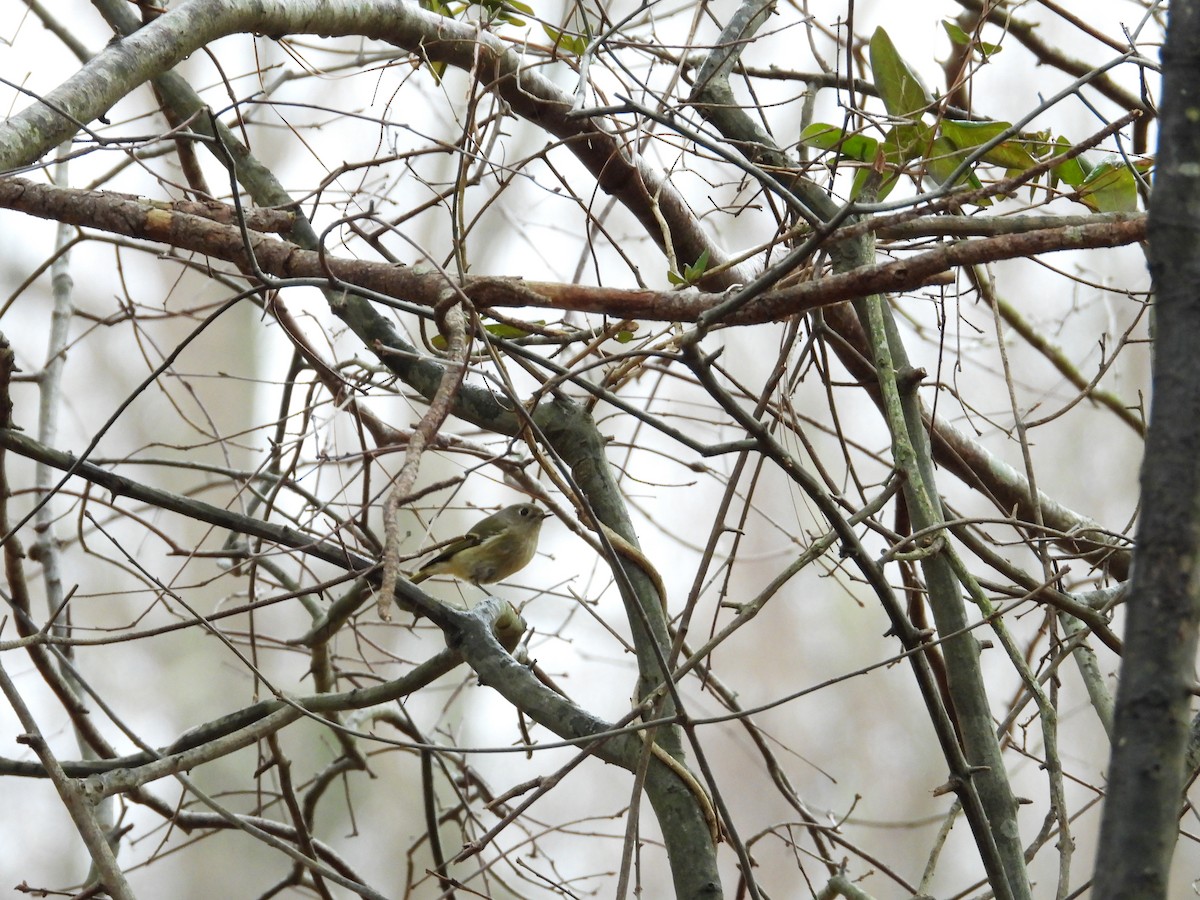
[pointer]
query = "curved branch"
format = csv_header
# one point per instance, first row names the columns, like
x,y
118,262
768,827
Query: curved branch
x,y
165,42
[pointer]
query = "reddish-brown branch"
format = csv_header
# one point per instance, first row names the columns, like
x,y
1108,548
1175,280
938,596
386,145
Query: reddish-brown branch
x,y
138,219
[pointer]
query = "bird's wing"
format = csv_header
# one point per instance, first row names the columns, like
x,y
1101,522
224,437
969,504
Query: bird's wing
x,y
465,542
486,528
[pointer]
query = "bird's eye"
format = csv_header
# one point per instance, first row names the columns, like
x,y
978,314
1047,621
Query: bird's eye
x,y
525,511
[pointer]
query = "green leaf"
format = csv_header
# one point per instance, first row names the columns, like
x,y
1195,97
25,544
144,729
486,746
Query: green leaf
x,y
901,91
886,183
502,10
1072,171
822,136
691,274
956,34
512,332
625,335
1112,186
437,69
878,176
944,157
904,143
829,137
695,271
971,134
497,329
1012,154
962,39
569,43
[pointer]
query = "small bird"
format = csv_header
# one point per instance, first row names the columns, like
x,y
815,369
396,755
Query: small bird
x,y
493,549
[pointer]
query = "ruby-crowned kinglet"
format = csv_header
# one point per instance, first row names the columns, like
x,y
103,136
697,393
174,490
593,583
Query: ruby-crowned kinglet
x,y
493,549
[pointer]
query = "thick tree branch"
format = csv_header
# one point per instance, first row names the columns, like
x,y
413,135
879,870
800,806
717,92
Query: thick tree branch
x,y
135,218
1140,825
169,39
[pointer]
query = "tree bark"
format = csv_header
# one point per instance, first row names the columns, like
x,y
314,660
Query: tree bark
x,y
1140,822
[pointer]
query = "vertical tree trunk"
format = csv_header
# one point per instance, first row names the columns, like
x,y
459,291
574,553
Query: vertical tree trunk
x,y
1141,813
